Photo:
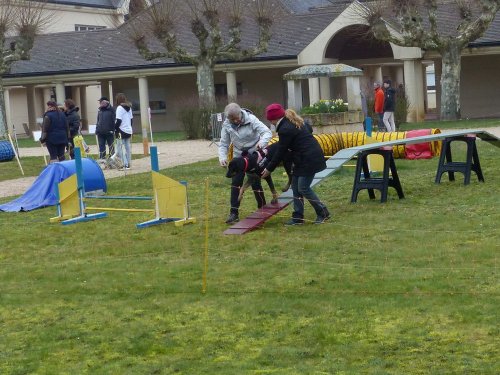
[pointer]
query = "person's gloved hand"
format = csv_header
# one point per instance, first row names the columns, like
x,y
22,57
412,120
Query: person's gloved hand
x,y
223,163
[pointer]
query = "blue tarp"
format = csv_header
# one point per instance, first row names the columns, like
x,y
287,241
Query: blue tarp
x,y
43,192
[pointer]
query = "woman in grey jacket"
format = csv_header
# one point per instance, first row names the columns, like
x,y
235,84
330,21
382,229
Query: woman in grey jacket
x,y
245,132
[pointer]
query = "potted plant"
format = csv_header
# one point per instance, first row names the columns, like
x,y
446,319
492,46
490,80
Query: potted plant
x,y
327,115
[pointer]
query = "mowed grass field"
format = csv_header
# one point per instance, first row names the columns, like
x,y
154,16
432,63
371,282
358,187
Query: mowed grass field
x,y
406,287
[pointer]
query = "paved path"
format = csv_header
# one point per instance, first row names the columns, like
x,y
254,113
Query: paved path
x,y
170,155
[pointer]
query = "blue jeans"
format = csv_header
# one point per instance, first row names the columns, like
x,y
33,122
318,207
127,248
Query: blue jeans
x,y
301,187
125,153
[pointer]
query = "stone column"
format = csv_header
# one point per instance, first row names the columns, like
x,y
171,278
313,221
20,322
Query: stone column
x,y
232,90
30,96
377,74
314,91
105,91
75,94
414,89
438,70
83,108
353,93
400,76
294,94
324,88
8,114
60,93
144,102
47,92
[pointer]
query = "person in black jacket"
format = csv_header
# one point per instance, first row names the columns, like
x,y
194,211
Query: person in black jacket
x,y
308,159
55,132
105,128
389,106
71,112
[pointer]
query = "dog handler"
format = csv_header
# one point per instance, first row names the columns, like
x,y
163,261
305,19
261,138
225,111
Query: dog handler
x,y
308,159
245,132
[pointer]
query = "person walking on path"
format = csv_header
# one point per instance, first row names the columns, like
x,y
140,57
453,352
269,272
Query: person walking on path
x,y
55,132
378,106
246,132
389,106
308,159
105,127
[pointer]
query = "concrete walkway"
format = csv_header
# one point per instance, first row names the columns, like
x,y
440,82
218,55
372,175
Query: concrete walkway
x,y
170,154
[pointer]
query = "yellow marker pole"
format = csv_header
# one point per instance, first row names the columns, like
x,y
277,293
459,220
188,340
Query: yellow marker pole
x,y
44,157
15,153
205,260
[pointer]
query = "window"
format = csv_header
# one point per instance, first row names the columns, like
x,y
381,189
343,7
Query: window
x,y
88,27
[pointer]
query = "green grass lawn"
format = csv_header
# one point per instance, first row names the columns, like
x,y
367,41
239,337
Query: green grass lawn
x,y
406,287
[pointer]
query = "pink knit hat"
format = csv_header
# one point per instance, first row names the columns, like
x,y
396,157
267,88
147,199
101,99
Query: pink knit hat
x,y
274,112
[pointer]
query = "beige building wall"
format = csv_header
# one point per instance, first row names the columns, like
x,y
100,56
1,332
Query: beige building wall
x,y
65,17
480,86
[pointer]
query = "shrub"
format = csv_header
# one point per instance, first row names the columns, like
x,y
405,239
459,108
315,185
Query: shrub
x,y
402,106
325,106
195,121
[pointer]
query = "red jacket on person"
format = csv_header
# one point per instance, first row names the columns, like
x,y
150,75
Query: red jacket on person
x,y
379,100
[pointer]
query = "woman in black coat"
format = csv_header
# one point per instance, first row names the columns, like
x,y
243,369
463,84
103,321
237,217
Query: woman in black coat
x,y
308,159
55,132
71,112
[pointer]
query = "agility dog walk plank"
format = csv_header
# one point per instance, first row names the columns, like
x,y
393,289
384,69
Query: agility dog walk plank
x,y
255,219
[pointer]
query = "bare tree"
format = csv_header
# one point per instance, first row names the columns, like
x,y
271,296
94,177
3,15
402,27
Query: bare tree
x,y
422,23
20,22
216,25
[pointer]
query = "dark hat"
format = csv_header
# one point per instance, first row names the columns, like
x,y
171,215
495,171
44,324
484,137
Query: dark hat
x,y
103,98
274,111
388,81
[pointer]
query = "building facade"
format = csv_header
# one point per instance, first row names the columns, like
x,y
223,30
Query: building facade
x,y
310,32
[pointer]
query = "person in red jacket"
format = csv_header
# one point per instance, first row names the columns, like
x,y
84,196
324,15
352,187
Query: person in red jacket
x,y
379,105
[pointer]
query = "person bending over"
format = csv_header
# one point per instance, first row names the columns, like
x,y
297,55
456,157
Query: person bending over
x,y
246,132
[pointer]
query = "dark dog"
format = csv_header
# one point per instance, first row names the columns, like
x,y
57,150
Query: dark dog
x,y
254,163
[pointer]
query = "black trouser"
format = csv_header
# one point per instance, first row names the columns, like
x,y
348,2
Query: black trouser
x,y
56,151
237,182
72,149
104,139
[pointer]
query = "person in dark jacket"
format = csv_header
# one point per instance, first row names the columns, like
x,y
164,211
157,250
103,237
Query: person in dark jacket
x,y
55,132
389,106
308,159
105,128
71,112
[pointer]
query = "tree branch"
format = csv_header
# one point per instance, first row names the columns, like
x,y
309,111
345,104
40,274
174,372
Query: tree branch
x,y
472,30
